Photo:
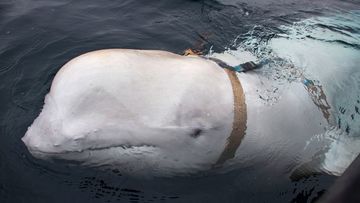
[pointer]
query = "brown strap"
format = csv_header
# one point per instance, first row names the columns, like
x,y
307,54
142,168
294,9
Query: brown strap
x,y
239,123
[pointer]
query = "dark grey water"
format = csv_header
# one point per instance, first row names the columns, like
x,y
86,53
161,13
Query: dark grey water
x,y
38,36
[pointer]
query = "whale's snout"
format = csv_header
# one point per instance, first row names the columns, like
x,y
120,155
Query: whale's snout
x,y
27,142
35,146
40,138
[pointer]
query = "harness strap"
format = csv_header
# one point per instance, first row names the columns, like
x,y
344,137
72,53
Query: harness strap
x,y
244,67
239,122
240,115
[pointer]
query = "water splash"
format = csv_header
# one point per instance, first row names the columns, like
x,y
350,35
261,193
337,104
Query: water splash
x,y
325,50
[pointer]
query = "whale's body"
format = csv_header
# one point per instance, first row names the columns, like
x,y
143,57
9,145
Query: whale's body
x,y
155,112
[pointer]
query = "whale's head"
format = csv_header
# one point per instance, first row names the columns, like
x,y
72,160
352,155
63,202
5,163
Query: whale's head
x,y
145,117
113,137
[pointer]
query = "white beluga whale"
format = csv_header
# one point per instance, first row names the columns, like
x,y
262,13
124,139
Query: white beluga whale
x,y
157,113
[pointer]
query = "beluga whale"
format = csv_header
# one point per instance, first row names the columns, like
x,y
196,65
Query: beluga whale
x,y
149,112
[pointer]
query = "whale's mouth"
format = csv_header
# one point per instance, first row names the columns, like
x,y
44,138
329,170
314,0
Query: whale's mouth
x,y
122,147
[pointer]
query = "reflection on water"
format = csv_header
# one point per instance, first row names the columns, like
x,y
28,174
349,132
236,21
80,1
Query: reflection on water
x,y
37,37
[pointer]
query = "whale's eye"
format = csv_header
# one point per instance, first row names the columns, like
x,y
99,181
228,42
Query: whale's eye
x,y
196,133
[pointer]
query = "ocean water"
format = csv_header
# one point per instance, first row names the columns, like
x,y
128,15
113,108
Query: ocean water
x,y
319,38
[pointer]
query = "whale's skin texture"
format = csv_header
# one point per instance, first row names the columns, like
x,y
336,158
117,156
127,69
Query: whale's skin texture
x,y
159,113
